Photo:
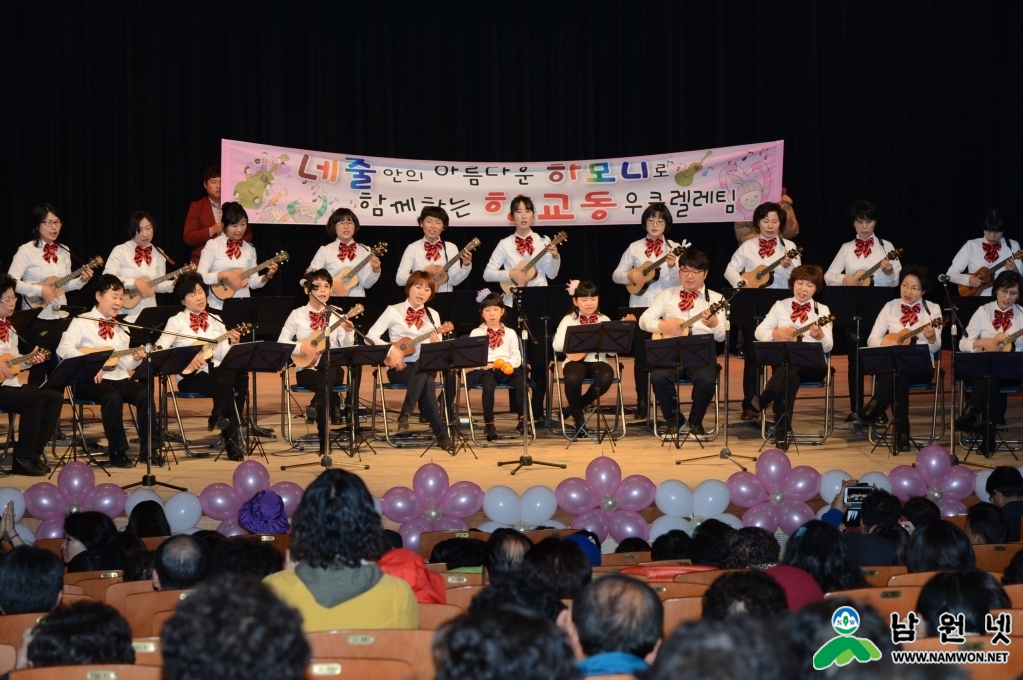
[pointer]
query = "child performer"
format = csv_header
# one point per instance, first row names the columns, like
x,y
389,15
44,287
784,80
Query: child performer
x,y
230,251
585,310
430,253
504,360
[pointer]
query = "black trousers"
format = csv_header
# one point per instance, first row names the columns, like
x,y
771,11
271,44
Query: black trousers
x,y
420,390
750,368
38,411
895,391
788,378
639,372
111,395
981,395
488,380
317,380
221,385
37,335
573,374
854,374
703,379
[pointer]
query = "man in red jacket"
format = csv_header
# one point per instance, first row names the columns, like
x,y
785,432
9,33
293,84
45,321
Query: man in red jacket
x,y
203,220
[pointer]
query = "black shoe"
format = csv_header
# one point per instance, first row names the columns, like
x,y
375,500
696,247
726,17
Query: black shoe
x,y
27,467
423,418
402,422
869,413
335,416
234,451
882,418
902,443
445,442
120,459
740,351
310,413
491,432
641,410
781,436
217,420
697,430
967,419
40,461
989,442
520,426
756,404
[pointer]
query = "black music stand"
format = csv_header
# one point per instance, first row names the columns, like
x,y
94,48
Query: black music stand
x,y
989,367
894,359
534,303
373,308
689,351
70,372
22,319
608,337
789,353
146,330
164,364
256,357
447,357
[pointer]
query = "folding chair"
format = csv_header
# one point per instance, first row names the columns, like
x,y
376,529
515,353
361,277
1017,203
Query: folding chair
x,y
514,440
554,386
828,385
411,646
432,616
288,391
389,437
970,440
378,669
175,394
90,672
937,386
712,433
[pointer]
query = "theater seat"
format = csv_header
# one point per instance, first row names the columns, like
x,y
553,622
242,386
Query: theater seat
x,y
106,671
375,669
410,646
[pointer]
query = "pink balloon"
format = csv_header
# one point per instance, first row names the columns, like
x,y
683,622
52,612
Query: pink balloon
x,y
250,478
604,474
230,527
803,484
959,483
951,507
593,520
635,493
933,463
401,504
773,469
51,528
410,533
430,483
45,501
449,524
792,515
624,523
762,515
907,483
108,499
290,493
220,501
576,496
746,490
76,480
463,499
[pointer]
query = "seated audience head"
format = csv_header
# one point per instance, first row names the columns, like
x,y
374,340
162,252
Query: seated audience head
x,y
336,524
87,531
751,547
940,546
459,553
148,520
84,633
917,512
809,628
986,523
242,556
393,539
588,541
820,550
234,628
1004,485
561,566
722,650
617,614
879,507
897,535
633,544
504,552
514,590
138,567
179,563
672,545
710,540
129,543
744,594
971,592
31,580
1013,573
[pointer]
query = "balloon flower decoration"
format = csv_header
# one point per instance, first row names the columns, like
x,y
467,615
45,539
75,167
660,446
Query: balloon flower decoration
x,y
685,509
183,510
222,502
431,504
776,495
936,478
504,508
605,503
76,491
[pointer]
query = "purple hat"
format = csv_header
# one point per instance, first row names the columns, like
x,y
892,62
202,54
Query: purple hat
x,y
263,514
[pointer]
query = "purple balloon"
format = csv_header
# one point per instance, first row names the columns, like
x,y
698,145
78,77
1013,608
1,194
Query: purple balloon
x,y
250,478
604,474
762,515
76,480
803,484
51,528
933,463
959,483
951,507
463,499
410,533
290,493
430,483
906,483
746,490
230,527
792,515
576,496
220,501
635,493
449,524
108,499
773,469
624,523
401,504
45,501
593,520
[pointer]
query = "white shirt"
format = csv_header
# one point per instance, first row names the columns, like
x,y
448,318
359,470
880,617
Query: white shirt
x,y
572,319
889,321
846,262
392,322
747,258
981,326
121,264
636,255
507,350
506,256
414,259
10,346
970,258
29,270
181,323
780,316
214,260
327,258
83,333
298,327
665,306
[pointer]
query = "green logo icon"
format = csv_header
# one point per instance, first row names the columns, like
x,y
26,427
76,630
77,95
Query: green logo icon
x,y
841,650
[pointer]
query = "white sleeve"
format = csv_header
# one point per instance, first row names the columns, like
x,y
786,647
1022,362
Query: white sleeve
x,y
735,267
18,266
115,265
379,327
828,343
493,271
458,272
763,332
559,336
552,266
960,263
289,332
880,328
367,277
621,272
973,330
68,346
650,319
833,277
405,266
205,266
514,355
76,283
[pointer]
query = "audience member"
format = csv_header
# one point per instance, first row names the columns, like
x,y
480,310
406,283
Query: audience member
x,y
672,545
744,594
1013,573
129,544
138,567
809,628
1005,487
588,541
242,556
148,520
723,650
879,508
800,588
263,513
428,586
971,592
179,563
90,543
750,548
515,590
897,537
503,553
460,554
917,512
986,523
633,544
820,550
31,580
84,633
939,546
710,541
393,539
561,566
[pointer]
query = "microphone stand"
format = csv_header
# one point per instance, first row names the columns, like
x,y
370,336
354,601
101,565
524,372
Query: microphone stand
x,y
953,311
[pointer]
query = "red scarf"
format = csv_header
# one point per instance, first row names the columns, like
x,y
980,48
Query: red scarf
x,y
495,336
143,254
991,251
1001,322
106,330
863,247
234,249
524,245
800,311
433,249
767,247
197,321
5,330
414,317
50,253
653,247
318,320
909,315
686,299
346,252
589,319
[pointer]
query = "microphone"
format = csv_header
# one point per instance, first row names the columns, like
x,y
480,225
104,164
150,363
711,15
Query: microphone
x,y
741,284
944,278
165,255
67,308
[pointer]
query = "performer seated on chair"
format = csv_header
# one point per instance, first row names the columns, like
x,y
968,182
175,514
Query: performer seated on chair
x,y
1002,316
785,317
906,313
585,310
206,377
983,253
39,410
430,253
665,315
229,250
412,319
94,330
305,322
504,360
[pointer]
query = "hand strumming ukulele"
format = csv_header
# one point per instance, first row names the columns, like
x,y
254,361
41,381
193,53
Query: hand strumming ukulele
x,y
146,288
798,333
348,277
907,336
651,271
529,266
866,276
209,346
686,325
440,274
231,281
57,283
16,364
763,276
308,351
111,362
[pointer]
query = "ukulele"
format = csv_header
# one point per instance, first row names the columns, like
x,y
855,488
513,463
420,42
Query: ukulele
x,y
866,276
1007,341
530,266
798,333
209,346
111,362
763,276
230,281
651,271
58,283
408,345
313,341
987,276
16,364
688,324
440,274
348,277
146,288
906,337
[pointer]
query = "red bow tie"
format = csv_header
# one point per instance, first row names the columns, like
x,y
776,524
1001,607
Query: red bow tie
x,y
686,299
589,319
1002,320
234,249
910,314
524,245
495,336
991,251
106,330
197,321
767,247
5,330
318,320
800,311
414,317
50,253
346,251
433,249
654,247
143,254
863,246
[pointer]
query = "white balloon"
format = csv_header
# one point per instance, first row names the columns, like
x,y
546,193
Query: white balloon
x,y
26,534
674,498
139,495
980,485
878,479
710,498
378,506
183,511
8,494
501,504
538,505
666,523
831,484
824,509
729,519
491,527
